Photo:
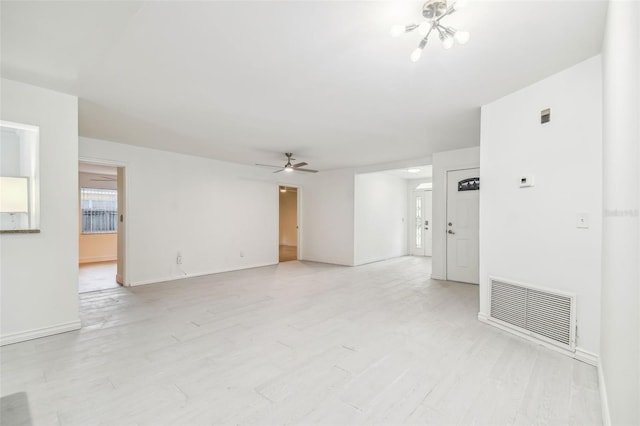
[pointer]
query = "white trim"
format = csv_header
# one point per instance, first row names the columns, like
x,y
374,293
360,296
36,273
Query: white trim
x,y
586,356
197,274
438,277
327,260
97,259
579,354
604,400
382,259
21,336
20,126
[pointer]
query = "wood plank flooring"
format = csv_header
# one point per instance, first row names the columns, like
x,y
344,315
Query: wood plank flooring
x,y
296,343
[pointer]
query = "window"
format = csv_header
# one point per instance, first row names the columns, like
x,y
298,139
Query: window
x,y
19,177
99,210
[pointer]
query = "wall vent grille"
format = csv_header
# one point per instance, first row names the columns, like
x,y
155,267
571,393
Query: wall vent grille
x,y
548,315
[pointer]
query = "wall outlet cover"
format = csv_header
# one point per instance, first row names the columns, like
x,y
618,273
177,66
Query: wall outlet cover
x,y
582,220
526,181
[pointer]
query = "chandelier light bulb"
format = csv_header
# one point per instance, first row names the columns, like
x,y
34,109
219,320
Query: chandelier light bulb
x,y
397,30
423,28
415,55
447,42
462,37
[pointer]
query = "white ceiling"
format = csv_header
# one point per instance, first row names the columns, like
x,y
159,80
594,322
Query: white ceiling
x,y
248,81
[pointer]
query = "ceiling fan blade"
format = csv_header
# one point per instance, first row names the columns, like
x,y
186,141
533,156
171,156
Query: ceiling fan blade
x,y
300,165
306,170
269,165
278,171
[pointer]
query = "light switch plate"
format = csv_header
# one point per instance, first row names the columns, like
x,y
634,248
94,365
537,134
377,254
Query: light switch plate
x,y
582,220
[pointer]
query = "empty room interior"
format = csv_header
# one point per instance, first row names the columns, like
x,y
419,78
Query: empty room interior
x,y
320,212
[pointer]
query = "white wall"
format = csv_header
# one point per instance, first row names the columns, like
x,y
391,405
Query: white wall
x,y
620,327
458,159
210,211
39,272
328,218
529,235
380,217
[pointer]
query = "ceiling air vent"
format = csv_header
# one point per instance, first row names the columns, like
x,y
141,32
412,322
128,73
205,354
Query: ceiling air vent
x,y
547,315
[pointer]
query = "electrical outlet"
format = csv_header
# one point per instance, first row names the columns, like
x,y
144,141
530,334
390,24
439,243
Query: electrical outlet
x,y
241,253
179,259
582,220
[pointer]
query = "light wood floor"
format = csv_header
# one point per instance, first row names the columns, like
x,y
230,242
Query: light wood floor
x,y
296,343
288,253
97,276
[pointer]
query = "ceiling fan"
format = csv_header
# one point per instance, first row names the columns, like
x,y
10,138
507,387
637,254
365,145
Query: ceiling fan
x,y
290,167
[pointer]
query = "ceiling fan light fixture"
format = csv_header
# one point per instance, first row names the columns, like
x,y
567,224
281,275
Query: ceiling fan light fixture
x,y
288,167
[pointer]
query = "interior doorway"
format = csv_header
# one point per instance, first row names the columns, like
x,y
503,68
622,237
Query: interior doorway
x,y
100,228
421,231
463,224
288,223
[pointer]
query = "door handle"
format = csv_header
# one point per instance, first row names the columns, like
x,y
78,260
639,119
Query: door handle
x,y
450,232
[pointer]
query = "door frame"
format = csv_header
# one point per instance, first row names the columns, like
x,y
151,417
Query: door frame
x,y
446,215
122,261
298,218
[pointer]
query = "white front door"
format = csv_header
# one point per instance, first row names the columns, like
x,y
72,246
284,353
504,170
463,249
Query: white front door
x,y
421,228
463,211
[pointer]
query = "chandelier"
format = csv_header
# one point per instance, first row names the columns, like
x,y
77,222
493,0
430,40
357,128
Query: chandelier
x,y
434,11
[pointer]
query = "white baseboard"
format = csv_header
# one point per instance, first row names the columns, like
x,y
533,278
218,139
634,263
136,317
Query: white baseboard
x,y
326,260
587,357
98,259
438,277
22,336
604,400
197,274
376,260
579,354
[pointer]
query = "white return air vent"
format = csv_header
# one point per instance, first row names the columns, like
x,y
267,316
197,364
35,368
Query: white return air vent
x,y
548,315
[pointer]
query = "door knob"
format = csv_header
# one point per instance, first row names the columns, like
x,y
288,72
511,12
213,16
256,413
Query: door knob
x,y
450,232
